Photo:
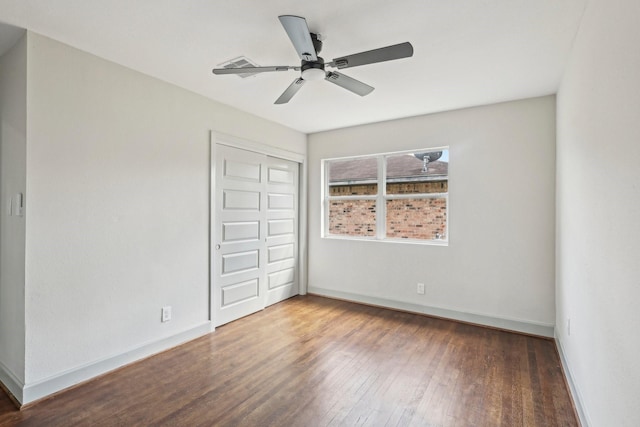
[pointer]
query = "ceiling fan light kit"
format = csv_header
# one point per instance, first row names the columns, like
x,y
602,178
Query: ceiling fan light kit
x,y
313,70
308,45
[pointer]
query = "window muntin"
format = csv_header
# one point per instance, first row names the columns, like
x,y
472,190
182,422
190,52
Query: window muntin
x,y
410,203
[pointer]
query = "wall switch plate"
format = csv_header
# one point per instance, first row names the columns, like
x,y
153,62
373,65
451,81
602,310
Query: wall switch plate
x,y
420,288
166,313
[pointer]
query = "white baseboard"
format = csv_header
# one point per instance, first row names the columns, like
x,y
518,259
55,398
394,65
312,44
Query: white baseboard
x,y
11,382
575,393
532,328
40,389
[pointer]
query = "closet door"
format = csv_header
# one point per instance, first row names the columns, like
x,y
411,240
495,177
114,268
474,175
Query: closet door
x,y
239,234
255,232
282,230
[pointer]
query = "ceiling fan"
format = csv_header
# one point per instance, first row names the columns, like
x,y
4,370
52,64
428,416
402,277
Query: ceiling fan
x,y
308,45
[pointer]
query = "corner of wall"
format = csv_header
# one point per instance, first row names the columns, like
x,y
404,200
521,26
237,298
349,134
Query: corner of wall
x,y
576,396
13,118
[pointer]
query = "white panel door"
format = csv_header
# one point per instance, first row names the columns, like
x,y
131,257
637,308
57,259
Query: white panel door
x,y
255,232
239,284
281,229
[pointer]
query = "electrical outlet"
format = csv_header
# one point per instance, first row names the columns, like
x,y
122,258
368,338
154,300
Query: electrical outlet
x,y
568,326
166,313
420,288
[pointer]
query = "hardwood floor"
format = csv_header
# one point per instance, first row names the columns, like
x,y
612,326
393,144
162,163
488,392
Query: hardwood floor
x,y
312,361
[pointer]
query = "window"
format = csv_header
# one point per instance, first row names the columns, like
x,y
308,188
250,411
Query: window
x,y
397,196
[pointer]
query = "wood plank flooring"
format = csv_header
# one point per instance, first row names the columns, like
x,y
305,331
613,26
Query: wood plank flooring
x,y
312,361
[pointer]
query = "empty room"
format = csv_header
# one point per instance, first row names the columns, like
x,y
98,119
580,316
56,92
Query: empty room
x,y
409,213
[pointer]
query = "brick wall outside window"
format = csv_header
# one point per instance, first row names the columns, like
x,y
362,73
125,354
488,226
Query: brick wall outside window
x,y
352,217
417,218
353,190
418,187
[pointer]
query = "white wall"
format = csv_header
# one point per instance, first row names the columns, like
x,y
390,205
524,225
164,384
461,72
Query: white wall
x,y
598,190
499,266
118,218
13,124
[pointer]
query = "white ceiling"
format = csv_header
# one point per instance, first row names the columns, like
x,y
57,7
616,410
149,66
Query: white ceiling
x,y
466,52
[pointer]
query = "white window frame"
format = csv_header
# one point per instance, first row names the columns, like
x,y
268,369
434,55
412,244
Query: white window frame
x,y
381,199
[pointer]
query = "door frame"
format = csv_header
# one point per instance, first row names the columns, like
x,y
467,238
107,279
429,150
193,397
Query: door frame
x,y
218,138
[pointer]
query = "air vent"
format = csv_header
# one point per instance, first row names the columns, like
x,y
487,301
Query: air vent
x,y
240,62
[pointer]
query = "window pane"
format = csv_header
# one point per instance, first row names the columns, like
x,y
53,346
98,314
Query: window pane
x,y
352,217
417,219
418,173
353,177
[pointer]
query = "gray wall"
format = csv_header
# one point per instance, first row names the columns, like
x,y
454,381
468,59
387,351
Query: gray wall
x,y
598,188
499,266
13,145
118,221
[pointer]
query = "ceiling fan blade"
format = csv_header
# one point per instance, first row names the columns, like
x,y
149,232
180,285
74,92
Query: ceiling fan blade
x,y
252,70
291,90
355,86
396,51
298,31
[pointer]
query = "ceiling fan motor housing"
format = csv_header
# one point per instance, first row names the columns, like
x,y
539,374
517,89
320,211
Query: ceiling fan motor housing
x,y
313,70
317,43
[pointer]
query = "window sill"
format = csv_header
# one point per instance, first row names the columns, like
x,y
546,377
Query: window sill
x,y
401,241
